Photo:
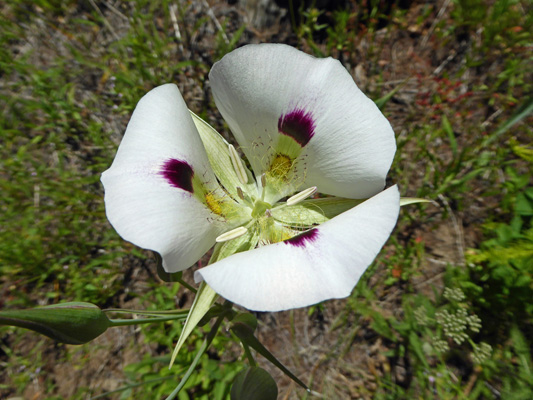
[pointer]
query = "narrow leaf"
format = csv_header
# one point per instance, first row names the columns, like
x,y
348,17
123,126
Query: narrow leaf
x,y
202,303
521,113
382,101
245,334
205,345
450,133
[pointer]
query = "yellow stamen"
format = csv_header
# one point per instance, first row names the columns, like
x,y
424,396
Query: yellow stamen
x,y
213,203
281,166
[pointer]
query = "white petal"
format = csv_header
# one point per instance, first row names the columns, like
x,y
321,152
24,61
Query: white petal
x,y
326,265
351,145
141,204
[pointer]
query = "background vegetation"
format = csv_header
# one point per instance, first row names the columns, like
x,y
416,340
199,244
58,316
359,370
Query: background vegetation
x,y
446,310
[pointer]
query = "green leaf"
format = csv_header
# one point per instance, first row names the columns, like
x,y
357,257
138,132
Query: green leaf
x,y
70,323
382,101
416,345
524,205
206,343
254,383
205,297
449,132
243,331
521,113
521,347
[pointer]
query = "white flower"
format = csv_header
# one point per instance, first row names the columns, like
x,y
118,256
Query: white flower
x,y
176,186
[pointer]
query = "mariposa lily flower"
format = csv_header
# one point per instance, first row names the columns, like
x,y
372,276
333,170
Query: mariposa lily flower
x,y
177,187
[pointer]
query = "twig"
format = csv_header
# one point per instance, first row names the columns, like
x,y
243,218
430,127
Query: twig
x,y
491,118
116,11
438,70
106,22
172,10
215,20
435,22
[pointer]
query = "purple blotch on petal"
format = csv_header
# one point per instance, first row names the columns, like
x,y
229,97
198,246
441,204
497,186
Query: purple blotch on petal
x,y
297,124
178,173
303,238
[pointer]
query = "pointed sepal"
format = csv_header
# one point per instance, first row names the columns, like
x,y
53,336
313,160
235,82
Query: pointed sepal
x,y
205,297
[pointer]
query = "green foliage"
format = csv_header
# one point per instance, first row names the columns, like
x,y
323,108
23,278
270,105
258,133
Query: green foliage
x,y
254,383
501,270
70,80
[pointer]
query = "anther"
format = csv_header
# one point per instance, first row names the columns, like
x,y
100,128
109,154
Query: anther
x,y
233,234
240,193
263,186
237,165
304,194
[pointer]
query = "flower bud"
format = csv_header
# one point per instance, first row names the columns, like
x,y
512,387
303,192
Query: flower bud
x,y
70,323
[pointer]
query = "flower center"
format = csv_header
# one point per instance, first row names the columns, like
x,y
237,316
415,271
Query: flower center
x,y
260,208
281,166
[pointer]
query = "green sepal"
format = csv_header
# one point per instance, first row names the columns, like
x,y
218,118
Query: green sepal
x,y
244,332
254,383
70,323
217,151
314,211
205,297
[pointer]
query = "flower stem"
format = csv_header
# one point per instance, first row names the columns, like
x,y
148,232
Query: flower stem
x,y
146,312
207,342
248,355
140,321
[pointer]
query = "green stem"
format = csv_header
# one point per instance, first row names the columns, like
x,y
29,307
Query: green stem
x,y
208,340
140,321
248,355
131,386
145,312
185,284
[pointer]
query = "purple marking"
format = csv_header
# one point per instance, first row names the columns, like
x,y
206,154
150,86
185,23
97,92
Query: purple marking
x,y
178,173
297,124
304,237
